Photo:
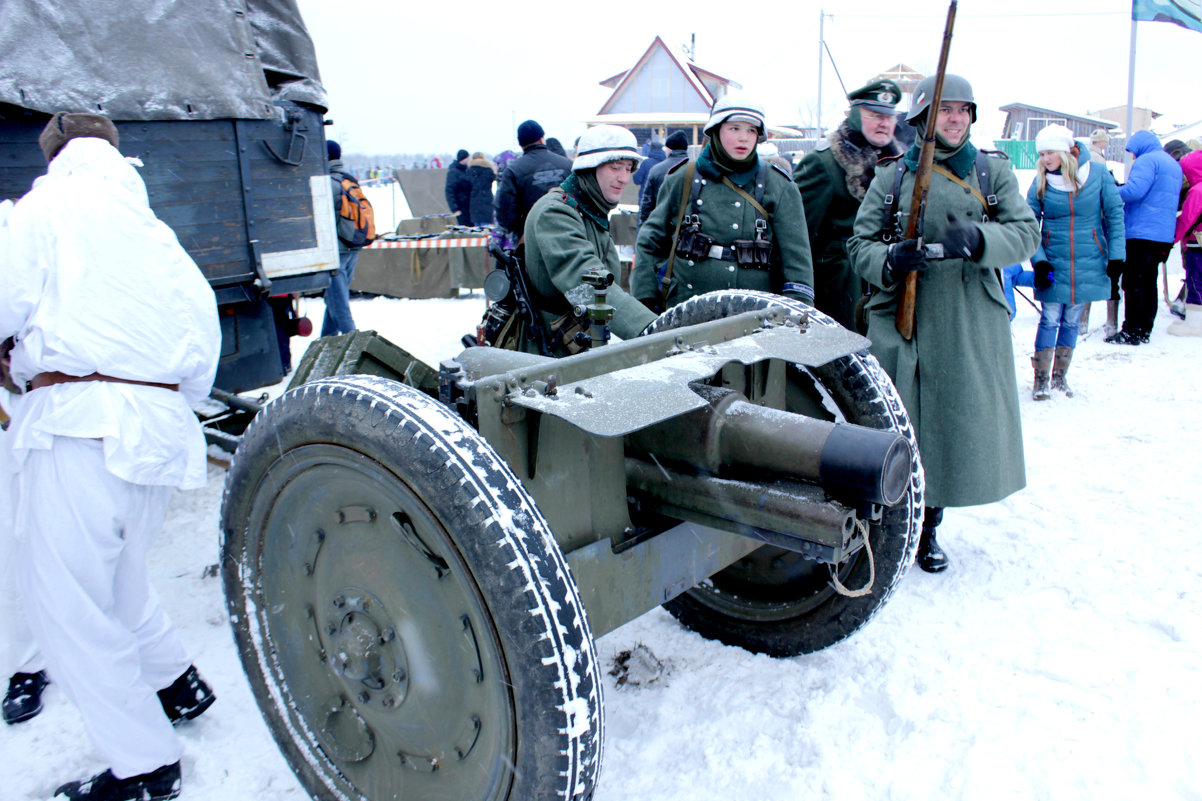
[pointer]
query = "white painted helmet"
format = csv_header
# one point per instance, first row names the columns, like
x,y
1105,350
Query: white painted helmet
x,y
603,143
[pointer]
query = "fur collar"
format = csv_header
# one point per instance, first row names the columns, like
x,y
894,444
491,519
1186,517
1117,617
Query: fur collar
x,y
857,157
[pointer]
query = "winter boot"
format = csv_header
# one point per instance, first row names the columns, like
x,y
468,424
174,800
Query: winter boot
x,y
1112,319
1083,325
1192,326
159,785
1064,357
931,557
24,697
187,697
1042,362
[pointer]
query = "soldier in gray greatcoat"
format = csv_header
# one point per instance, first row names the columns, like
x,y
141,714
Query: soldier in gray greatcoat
x,y
956,374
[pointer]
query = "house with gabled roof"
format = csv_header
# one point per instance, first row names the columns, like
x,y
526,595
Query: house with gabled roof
x,y
662,92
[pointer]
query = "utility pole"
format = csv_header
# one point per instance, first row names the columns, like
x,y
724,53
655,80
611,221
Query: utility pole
x,y
821,47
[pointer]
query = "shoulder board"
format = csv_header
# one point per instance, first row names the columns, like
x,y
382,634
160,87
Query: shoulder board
x,y
677,166
888,159
999,153
781,169
822,145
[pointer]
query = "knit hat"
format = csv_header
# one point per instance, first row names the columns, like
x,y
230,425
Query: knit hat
x,y
529,132
1194,144
678,140
461,155
333,150
1176,148
603,143
1099,137
1054,137
735,107
65,126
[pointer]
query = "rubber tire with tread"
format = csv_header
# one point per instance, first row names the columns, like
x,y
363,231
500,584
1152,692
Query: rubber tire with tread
x,y
479,522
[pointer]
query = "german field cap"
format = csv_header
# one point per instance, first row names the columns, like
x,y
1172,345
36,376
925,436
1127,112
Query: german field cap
x,y
880,96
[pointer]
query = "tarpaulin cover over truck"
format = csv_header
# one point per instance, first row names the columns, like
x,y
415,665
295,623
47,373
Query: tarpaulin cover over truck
x,y
157,59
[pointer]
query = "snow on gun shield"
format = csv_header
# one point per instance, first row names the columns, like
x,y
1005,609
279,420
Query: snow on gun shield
x,y
416,562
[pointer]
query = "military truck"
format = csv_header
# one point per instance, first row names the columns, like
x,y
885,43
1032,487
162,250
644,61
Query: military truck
x,y
222,103
416,562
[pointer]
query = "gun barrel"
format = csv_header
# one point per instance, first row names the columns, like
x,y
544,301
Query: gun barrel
x,y
848,461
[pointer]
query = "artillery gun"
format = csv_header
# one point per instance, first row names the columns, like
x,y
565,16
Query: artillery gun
x,y
416,563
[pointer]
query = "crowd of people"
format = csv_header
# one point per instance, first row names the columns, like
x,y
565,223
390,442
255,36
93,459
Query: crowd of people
x,y
100,416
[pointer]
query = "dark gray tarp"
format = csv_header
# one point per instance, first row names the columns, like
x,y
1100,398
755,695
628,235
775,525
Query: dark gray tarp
x,y
157,59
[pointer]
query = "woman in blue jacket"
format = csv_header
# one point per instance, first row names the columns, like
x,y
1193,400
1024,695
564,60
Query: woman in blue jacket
x,y
1081,219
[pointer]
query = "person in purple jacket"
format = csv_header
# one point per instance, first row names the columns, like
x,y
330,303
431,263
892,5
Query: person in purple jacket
x,y
1150,198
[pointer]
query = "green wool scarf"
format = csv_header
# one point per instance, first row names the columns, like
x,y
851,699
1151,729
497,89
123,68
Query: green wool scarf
x,y
582,192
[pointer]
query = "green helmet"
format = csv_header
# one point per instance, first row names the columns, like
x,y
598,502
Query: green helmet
x,y
954,88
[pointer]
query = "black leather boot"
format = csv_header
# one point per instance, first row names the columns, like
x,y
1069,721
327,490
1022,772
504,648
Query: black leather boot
x,y
931,557
187,697
160,785
24,697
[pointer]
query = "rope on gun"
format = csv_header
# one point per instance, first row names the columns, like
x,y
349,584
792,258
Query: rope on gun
x,y
862,525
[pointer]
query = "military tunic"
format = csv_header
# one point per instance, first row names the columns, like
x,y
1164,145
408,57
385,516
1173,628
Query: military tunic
x,y
830,212
956,376
561,246
726,216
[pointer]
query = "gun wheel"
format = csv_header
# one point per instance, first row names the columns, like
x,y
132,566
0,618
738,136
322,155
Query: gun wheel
x,y
405,618
775,601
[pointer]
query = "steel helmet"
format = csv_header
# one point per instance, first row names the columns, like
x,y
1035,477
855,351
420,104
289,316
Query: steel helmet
x,y
738,106
954,88
603,143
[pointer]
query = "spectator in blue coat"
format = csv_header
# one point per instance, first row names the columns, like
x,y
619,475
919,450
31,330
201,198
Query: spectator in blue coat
x,y
1081,220
1150,198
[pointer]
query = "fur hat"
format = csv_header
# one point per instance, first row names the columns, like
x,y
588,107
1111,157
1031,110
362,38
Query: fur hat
x,y
678,140
1054,137
333,150
735,107
529,132
603,143
1099,137
65,126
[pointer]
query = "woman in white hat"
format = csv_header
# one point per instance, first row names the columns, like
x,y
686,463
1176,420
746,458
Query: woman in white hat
x,y
567,231
1081,218
730,220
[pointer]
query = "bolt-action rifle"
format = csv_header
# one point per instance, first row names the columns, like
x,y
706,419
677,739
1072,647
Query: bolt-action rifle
x,y
922,183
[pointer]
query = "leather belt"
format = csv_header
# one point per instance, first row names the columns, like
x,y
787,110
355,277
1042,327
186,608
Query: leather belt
x,y
55,377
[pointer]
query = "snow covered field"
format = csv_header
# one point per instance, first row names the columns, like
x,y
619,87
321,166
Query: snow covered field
x,y
1059,658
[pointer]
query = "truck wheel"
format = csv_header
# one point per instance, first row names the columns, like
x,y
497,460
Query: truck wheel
x,y
404,615
777,602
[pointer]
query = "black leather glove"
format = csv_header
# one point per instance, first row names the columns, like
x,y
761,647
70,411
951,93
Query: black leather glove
x,y
1045,276
962,240
904,257
1114,268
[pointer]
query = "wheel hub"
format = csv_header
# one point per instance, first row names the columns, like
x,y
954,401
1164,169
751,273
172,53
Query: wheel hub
x,y
364,650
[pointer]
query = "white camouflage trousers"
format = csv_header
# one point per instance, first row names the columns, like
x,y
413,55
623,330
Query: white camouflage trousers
x,y
82,539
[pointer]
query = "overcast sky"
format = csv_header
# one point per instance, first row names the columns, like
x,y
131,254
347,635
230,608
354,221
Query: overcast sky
x,y
428,77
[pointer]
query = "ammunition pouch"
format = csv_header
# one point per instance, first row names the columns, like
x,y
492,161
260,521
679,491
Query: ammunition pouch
x,y
692,244
753,253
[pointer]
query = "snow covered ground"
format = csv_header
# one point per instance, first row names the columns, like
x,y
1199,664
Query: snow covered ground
x,y
1059,658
